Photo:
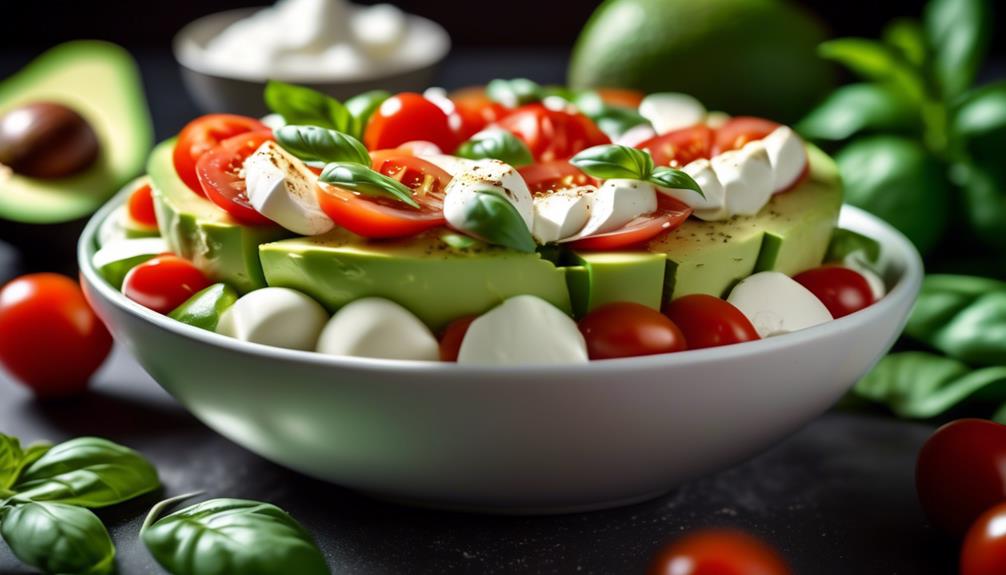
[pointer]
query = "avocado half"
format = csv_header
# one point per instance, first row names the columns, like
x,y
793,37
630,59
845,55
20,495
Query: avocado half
x,y
100,81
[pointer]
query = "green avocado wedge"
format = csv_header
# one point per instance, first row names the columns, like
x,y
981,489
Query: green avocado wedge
x,y
114,260
203,310
100,82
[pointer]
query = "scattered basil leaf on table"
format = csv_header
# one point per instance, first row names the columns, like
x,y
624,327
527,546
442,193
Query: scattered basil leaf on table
x,y
57,537
362,107
314,144
857,108
366,181
231,536
958,33
204,308
515,92
492,218
496,144
300,105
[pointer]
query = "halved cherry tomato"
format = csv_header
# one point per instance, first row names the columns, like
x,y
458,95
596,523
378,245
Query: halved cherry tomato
x,y
718,552
378,217
547,177
629,329
201,135
164,283
621,97
739,131
680,147
141,206
984,549
419,148
219,172
405,117
708,321
552,134
453,335
669,215
50,339
840,289
475,110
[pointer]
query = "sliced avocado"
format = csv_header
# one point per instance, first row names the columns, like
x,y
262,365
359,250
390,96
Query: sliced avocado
x,y
114,260
605,277
435,281
198,230
100,82
205,307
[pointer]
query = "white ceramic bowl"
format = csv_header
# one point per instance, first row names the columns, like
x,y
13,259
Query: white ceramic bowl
x,y
515,439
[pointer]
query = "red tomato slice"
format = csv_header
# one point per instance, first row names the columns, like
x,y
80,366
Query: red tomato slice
x,y
669,215
547,177
679,147
406,117
739,131
377,217
201,135
141,206
552,134
475,110
164,283
219,172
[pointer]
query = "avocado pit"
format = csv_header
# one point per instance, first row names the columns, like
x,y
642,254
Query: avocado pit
x,y
46,140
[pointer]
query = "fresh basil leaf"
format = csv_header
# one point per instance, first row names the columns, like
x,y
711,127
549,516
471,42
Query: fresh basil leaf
x,y
366,181
856,108
907,37
958,33
497,144
314,144
57,538
614,161
492,218
922,385
10,459
362,107
666,177
300,105
979,124
204,308
847,242
561,92
513,93
612,120
88,471
231,536
875,61
984,187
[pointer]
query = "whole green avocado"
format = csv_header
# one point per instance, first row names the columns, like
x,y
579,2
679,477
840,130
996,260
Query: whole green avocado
x,y
752,57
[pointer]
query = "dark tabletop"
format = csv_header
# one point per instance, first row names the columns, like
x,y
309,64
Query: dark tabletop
x,y
835,498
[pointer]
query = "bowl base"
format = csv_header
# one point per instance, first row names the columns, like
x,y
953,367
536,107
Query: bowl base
x,y
507,509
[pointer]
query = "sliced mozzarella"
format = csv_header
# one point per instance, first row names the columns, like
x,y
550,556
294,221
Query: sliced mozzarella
x,y
523,330
616,203
669,111
376,327
113,228
776,304
275,316
716,119
788,156
710,204
281,188
746,176
273,121
453,165
561,214
491,176
635,135
379,29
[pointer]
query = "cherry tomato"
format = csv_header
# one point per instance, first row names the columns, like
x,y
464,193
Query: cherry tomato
x,y
680,147
219,172
201,135
621,97
547,177
453,335
475,110
629,329
984,549
163,283
708,321
141,206
378,217
419,148
840,289
552,134
406,117
669,215
961,472
740,130
718,552
50,339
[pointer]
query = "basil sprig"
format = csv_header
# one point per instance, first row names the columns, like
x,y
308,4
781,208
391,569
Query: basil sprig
x,y
362,107
57,537
314,144
14,459
490,217
496,144
366,181
515,92
300,105
615,161
230,536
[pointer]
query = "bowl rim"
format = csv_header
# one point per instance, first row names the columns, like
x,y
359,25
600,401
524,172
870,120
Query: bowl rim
x,y
895,247
183,45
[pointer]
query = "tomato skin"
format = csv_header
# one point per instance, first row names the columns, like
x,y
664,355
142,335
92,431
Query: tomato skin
x,y
219,172
708,321
50,338
680,147
621,97
406,117
552,134
141,206
201,135
545,177
629,329
164,283
841,290
475,110
669,215
984,548
718,552
740,130
961,472
453,335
